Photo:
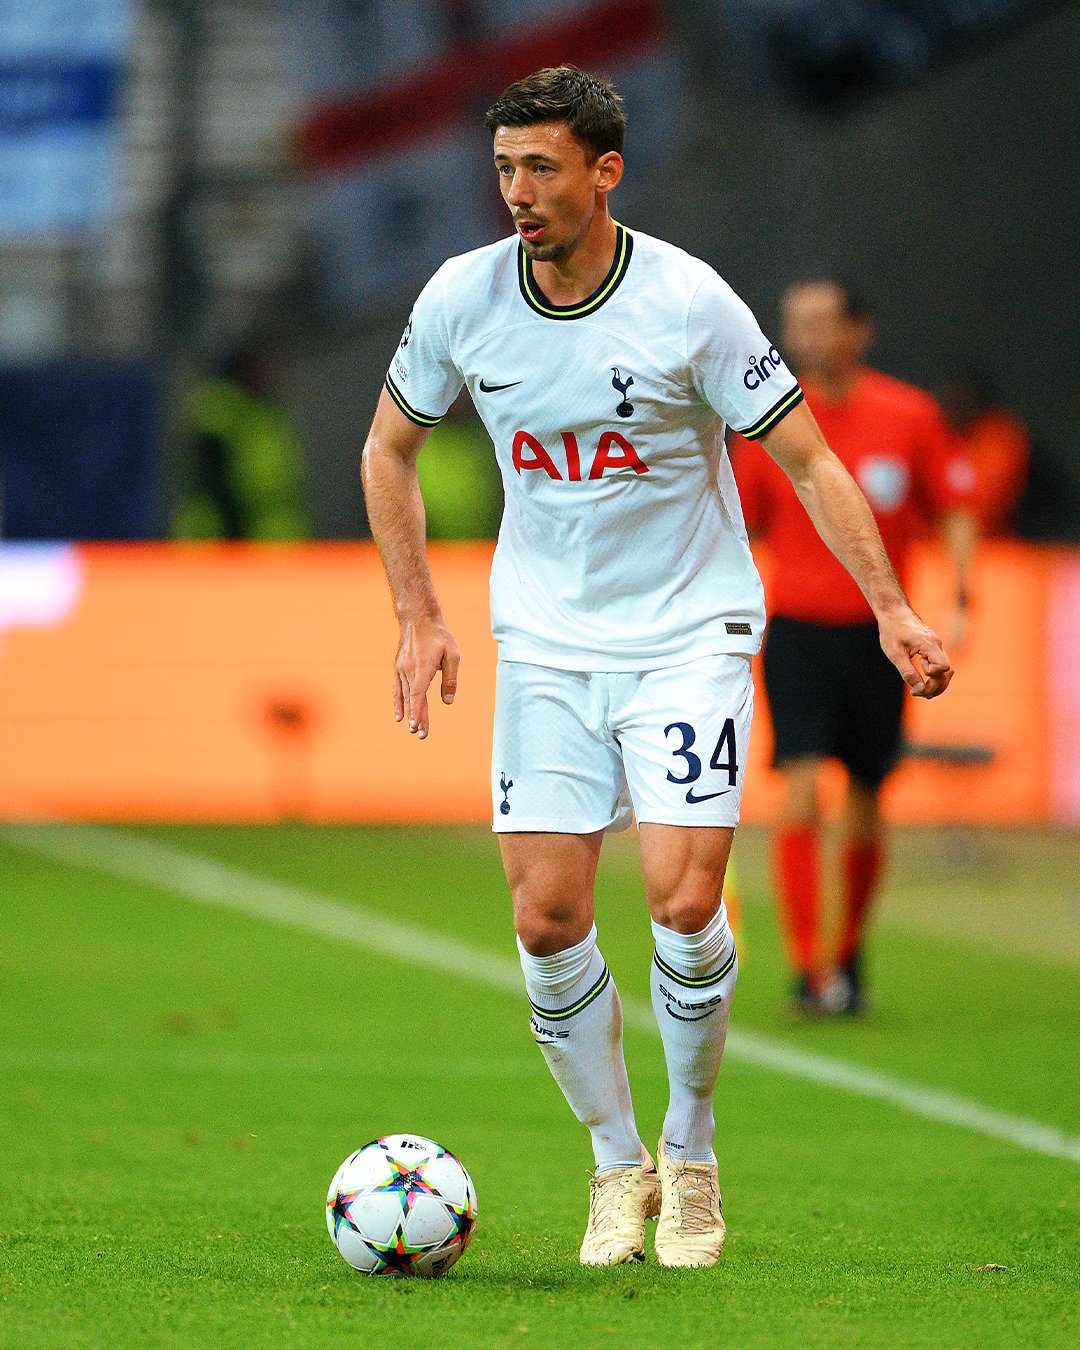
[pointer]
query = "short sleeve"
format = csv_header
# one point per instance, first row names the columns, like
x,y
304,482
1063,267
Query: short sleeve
x,y
738,372
423,380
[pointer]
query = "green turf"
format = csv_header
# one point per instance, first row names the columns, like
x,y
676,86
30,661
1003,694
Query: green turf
x,y
178,1084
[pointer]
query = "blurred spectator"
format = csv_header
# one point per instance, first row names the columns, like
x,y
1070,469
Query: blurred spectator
x,y
992,440
459,477
832,692
244,477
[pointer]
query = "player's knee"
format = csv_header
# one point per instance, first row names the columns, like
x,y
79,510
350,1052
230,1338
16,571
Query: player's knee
x,y
686,910
545,929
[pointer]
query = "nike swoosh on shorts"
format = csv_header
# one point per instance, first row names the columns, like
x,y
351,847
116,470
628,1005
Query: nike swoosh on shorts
x,y
494,388
705,796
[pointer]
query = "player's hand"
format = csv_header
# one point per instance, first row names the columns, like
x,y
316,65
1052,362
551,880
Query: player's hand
x,y
426,646
916,652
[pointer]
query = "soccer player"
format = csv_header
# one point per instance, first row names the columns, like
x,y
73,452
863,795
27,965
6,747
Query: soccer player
x,y
605,365
894,441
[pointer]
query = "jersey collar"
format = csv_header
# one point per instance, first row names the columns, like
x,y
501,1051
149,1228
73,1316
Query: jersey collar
x,y
535,298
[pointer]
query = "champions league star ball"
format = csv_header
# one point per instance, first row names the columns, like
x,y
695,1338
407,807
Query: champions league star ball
x,y
402,1205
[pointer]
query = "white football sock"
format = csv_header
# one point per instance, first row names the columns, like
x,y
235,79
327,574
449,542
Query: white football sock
x,y
577,1022
693,979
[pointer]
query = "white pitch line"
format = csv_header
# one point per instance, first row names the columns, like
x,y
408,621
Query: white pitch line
x,y
206,882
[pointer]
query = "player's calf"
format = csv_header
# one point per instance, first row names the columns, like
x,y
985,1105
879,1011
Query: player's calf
x,y
693,980
577,1023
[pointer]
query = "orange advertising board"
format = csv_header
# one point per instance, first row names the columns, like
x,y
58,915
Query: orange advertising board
x,y
249,683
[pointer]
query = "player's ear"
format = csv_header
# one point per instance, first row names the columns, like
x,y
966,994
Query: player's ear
x,y
609,169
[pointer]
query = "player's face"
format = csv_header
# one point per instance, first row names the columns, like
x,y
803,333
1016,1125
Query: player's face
x,y
820,337
551,188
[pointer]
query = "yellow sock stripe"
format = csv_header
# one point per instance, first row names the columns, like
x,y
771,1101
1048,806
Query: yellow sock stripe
x,y
562,1014
775,413
421,419
692,982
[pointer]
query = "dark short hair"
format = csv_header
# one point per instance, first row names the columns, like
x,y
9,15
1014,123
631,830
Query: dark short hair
x,y
588,104
853,299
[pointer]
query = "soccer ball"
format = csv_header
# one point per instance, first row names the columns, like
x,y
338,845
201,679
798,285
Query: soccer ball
x,y
402,1205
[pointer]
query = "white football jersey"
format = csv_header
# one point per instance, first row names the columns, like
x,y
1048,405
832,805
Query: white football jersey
x,y
622,545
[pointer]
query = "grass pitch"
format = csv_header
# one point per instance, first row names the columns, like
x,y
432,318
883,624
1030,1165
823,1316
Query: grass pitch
x,y
178,1083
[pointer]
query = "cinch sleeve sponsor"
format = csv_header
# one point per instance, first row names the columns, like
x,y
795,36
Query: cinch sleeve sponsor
x,y
738,371
423,380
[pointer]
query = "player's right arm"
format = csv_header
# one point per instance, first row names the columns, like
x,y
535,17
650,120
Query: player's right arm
x,y
843,519
396,513
744,378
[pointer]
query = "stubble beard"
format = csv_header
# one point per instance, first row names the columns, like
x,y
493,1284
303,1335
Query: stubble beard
x,y
547,252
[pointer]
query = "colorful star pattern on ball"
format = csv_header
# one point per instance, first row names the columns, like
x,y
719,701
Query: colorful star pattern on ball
x,y
408,1182
339,1207
464,1221
401,1206
395,1256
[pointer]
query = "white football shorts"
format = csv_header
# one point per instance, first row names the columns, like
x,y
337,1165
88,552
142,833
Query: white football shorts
x,y
579,751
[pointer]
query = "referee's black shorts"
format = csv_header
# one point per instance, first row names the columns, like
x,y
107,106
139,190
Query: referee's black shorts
x,y
833,694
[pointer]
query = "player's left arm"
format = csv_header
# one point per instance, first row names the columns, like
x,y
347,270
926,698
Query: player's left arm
x,y
842,517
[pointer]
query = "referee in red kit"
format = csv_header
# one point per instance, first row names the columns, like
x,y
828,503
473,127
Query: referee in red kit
x,y
832,692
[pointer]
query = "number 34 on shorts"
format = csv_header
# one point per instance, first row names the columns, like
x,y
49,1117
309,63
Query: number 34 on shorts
x,y
579,751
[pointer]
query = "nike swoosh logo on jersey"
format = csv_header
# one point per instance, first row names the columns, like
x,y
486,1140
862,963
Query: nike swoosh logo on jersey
x,y
705,796
494,388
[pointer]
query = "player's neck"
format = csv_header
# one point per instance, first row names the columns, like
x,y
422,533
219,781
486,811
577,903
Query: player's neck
x,y
836,385
577,276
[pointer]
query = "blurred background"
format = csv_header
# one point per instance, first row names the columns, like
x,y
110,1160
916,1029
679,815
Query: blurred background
x,y
214,217
288,934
